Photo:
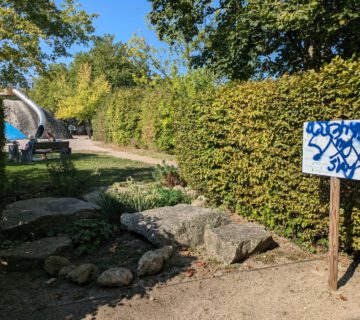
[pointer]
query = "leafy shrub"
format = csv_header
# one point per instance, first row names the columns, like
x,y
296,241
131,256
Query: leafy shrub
x,y
85,234
64,176
137,197
169,197
242,146
145,117
168,176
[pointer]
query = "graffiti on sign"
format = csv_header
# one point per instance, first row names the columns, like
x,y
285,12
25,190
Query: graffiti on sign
x,y
332,148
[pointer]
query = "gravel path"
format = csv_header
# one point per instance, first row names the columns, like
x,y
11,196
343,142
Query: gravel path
x,y
83,144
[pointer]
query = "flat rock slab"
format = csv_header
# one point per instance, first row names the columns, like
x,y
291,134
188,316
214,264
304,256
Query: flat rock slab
x,y
41,214
180,225
232,243
33,253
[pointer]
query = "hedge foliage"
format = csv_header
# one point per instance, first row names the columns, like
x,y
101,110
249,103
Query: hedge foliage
x,y
145,116
242,147
2,144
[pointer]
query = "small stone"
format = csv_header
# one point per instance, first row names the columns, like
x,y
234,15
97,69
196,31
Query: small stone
x,y
151,298
64,271
179,187
83,273
152,262
51,280
200,201
191,193
115,277
166,252
54,264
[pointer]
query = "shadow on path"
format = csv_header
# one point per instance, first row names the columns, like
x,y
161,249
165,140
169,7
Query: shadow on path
x,y
349,272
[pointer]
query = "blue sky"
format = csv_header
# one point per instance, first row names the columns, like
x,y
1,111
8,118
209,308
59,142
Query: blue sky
x,y
121,18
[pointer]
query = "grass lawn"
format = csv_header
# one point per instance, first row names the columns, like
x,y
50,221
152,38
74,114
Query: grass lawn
x,y
32,180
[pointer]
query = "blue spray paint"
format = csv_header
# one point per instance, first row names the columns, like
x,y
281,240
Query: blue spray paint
x,y
341,136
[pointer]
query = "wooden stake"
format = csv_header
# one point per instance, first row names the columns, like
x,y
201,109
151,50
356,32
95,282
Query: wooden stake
x,y
334,231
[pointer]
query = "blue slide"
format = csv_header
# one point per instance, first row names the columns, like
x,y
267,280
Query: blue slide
x,y
12,133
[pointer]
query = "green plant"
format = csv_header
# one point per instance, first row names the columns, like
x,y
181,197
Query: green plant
x,y
168,176
168,197
136,197
63,175
85,234
7,244
242,147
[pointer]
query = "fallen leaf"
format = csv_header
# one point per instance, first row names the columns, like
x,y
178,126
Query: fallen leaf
x,y
189,272
343,298
201,264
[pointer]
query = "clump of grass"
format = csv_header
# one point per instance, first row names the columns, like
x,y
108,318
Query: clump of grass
x,y
136,197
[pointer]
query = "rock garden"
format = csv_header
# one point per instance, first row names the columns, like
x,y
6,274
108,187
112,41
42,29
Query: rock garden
x,y
123,240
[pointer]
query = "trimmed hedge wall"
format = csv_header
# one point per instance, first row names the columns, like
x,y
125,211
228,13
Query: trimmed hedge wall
x,y
145,116
133,116
243,147
2,144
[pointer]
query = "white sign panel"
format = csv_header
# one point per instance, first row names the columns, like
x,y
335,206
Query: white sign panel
x,y
332,148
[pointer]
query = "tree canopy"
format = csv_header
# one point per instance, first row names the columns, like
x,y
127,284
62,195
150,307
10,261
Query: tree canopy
x,y
33,33
241,39
81,102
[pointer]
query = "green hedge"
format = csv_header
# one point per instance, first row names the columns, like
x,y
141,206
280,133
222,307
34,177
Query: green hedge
x,y
130,117
243,147
2,144
145,117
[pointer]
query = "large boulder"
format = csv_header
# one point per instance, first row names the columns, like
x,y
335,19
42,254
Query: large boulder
x,y
41,214
180,225
31,254
115,277
152,262
232,243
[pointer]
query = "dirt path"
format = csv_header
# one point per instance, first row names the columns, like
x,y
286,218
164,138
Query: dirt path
x,y
291,291
83,144
286,292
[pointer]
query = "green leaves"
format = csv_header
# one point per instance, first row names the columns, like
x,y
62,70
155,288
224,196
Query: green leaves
x,y
25,26
85,234
243,149
82,101
257,38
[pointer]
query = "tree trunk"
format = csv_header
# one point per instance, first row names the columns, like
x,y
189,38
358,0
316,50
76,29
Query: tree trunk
x,y
88,128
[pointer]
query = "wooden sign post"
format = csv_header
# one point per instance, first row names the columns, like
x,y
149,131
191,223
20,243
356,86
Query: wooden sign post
x,y
334,232
332,148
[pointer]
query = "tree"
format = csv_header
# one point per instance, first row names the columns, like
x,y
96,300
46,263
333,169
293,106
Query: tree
x,y
82,101
246,38
48,91
122,64
32,33
110,59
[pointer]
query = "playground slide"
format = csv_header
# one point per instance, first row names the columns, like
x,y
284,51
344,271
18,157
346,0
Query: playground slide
x,y
39,112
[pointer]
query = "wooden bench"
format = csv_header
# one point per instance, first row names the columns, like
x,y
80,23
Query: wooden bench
x,y
51,147
46,147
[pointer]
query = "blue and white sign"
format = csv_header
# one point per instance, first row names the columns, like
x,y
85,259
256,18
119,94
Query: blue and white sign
x,y
332,148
